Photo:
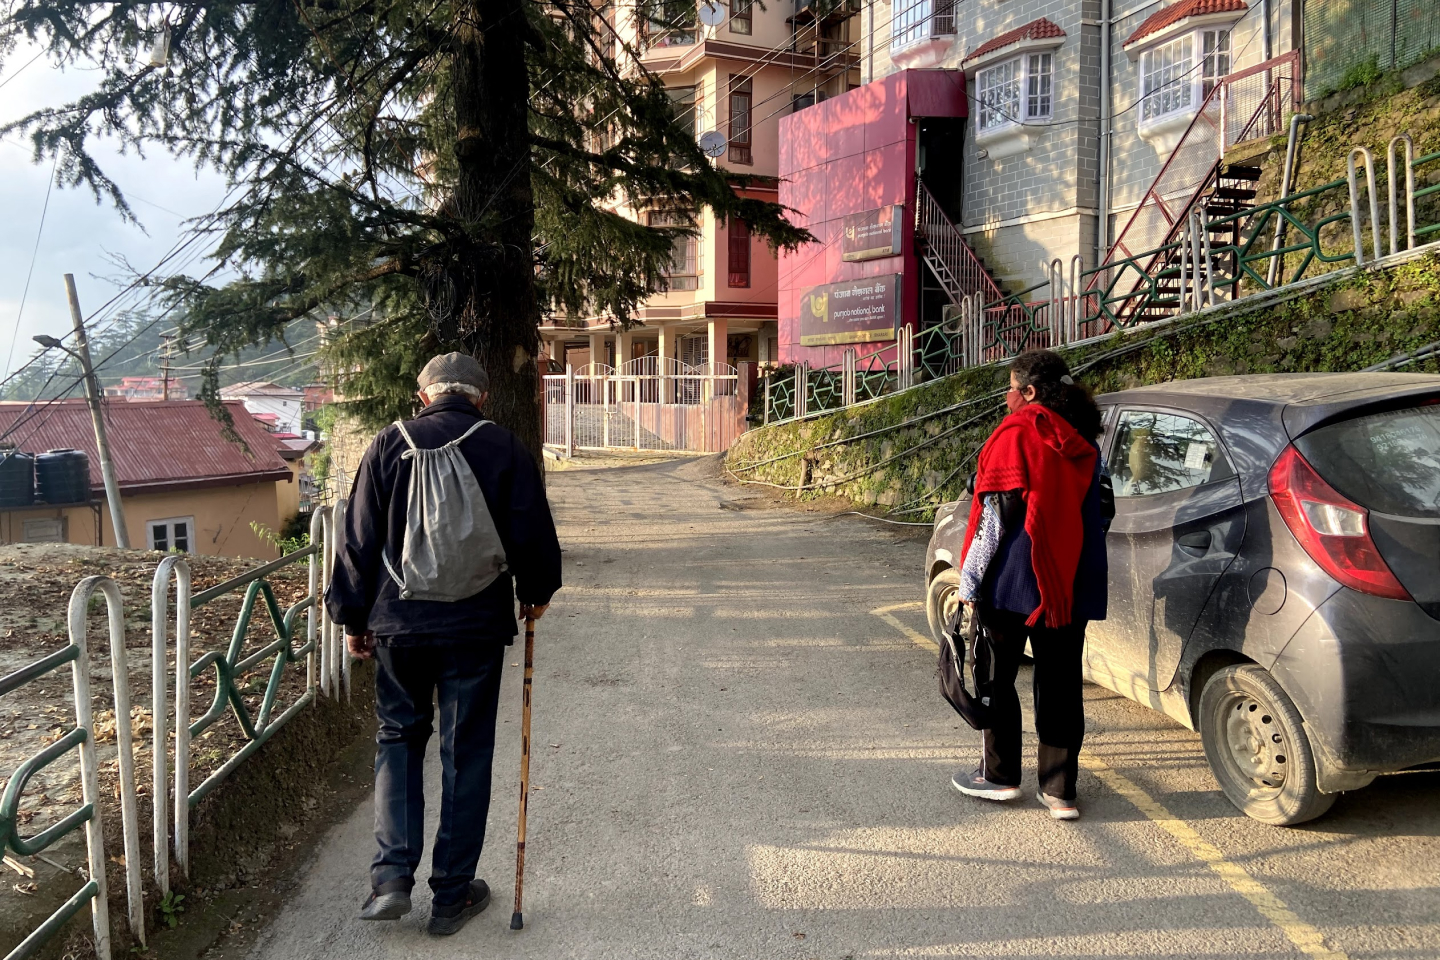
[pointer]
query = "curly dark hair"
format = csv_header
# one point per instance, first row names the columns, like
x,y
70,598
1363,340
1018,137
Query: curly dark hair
x,y
1044,370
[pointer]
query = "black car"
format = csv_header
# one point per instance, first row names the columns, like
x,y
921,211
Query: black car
x,y
1274,576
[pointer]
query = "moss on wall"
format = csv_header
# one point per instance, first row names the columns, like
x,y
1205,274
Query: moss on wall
x,y
1358,319
1403,102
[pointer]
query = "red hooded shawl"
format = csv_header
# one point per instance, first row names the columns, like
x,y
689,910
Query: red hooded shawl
x,y
1037,451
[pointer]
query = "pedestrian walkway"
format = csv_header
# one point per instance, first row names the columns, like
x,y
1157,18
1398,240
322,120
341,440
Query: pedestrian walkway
x,y
735,758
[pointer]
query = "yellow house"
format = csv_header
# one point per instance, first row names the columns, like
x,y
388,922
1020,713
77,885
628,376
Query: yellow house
x,y
184,484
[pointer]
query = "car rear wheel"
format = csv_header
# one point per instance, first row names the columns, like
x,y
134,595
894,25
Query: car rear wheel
x,y
941,600
1256,745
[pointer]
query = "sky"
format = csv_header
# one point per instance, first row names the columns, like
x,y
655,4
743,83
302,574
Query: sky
x,y
78,234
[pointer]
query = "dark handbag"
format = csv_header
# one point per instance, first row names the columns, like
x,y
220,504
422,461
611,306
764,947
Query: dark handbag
x,y
974,708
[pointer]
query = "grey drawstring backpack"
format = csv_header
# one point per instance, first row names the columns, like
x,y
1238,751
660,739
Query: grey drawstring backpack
x,y
452,549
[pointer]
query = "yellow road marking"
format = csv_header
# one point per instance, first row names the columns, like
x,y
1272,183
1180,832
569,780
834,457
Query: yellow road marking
x,y
887,614
1300,933
1305,937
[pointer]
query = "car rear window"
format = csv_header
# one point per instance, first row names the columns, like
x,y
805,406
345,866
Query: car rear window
x,y
1388,462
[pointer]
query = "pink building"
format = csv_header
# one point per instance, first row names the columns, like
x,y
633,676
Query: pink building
x,y
849,167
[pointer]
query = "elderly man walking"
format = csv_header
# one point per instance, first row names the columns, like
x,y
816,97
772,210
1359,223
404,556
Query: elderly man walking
x,y
447,525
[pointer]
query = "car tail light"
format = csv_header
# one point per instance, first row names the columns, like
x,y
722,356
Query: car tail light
x,y
1333,530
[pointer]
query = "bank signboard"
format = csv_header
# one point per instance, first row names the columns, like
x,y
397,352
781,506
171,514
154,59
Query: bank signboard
x,y
871,234
853,311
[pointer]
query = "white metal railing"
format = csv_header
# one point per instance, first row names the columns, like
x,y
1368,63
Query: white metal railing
x,y
82,738
323,642
649,403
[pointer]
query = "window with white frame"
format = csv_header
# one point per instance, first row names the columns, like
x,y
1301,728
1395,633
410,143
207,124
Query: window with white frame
x,y
1177,76
172,533
1015,91
917,20
1038,70
1166,84
1215,45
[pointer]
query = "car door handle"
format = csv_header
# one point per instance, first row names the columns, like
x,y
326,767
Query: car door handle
x,y
1199,540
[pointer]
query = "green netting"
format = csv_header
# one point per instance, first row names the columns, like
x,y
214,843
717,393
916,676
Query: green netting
x,y
1348,41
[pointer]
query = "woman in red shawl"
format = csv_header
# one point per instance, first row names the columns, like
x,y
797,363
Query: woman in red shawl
x,y
1034,568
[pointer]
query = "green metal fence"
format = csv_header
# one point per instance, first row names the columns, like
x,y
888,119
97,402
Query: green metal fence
x,y
803,391
231,666
1305,234
81,738
327,670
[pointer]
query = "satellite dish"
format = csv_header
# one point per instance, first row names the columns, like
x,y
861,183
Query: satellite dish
x,y
713,143
712,13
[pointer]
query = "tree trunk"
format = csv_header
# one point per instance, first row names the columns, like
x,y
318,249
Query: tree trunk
x,y
500,326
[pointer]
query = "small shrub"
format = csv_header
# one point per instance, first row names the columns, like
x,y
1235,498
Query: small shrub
x,y
1361,74
170,909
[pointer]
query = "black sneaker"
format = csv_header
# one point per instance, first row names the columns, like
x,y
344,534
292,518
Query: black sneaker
x,y
975,785
389,901
446,919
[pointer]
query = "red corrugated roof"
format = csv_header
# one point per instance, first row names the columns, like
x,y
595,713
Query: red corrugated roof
x,y
1041,29
163,444
1161,19
258,388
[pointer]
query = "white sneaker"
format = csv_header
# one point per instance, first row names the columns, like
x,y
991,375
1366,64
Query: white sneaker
x,y
1059,809
975,785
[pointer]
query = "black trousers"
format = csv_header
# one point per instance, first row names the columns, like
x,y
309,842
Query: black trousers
x,y
1059,702
465,679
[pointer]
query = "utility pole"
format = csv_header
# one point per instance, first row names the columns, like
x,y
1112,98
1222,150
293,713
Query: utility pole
x,y
165,370
92,395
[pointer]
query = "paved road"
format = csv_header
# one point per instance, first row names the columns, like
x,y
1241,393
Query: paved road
x,y
736,758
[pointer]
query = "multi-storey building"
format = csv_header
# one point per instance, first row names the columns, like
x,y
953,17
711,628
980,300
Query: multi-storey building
x,y
737,78
1071,110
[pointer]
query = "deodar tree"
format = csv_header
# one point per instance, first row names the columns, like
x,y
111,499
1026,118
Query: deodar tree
x,y
452,170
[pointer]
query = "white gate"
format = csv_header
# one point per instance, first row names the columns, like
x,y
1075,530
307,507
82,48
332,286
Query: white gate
x,y
650,403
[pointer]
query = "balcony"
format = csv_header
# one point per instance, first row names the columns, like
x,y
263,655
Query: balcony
x,y
921,33
822,11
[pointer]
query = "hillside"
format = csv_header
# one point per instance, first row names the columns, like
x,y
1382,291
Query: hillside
x,y
132,345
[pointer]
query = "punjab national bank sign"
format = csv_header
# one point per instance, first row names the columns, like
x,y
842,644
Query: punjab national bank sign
x,y
855,311
874,233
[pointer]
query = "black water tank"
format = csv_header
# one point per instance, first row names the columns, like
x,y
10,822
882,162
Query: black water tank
x,y
17,479
62,476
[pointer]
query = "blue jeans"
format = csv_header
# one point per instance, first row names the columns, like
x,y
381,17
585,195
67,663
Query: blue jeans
x,y
466,678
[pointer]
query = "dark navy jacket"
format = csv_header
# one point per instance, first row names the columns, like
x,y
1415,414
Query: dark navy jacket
x,y
1010,579
363,596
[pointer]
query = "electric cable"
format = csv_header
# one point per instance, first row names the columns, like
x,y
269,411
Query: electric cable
x,y
34,255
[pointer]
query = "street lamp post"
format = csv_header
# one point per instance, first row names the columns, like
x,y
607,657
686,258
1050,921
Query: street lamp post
x,y
92,397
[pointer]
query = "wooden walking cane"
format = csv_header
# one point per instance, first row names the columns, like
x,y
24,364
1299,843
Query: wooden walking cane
x,y
517,922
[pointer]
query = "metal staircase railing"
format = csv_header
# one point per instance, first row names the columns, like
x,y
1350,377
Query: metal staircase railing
x,y
960,272
1243,106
